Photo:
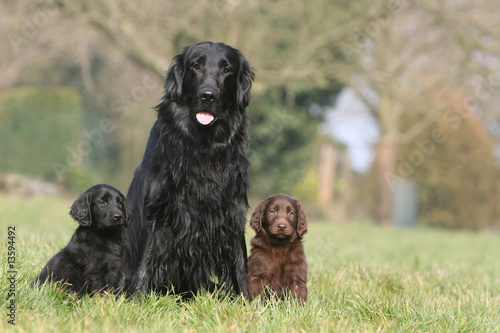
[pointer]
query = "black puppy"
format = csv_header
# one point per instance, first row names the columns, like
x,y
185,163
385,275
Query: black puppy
x,y
92,260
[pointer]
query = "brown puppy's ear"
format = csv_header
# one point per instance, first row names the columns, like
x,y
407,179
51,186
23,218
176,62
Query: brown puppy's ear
x,y
302,220
257,216
80,210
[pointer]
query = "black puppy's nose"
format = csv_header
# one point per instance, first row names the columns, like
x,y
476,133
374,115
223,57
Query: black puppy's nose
x,y
117,216
208,95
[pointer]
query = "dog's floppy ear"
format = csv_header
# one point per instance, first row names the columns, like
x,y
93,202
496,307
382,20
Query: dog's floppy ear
x,y
245,79
302,220
126,212
80,210
257,216
175,76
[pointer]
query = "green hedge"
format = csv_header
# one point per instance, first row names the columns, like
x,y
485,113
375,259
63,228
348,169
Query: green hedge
x,y
38,127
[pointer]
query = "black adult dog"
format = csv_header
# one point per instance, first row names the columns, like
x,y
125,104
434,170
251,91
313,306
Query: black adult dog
x,y
93,259
188,198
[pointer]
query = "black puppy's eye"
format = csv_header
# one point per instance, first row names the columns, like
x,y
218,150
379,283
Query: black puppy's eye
x,y
101,203
272,211
227,70
196,66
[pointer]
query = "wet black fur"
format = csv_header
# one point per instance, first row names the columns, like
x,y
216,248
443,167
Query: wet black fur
x,y
188,198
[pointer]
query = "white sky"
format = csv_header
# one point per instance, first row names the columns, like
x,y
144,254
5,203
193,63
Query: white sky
x,y
350,123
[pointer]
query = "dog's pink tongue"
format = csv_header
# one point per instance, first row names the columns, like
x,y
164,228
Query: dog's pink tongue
x,y
204,118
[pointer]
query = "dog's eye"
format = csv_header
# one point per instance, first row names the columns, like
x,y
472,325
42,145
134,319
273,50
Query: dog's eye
x,y
196,66
101,203
272,211
291,212
227,70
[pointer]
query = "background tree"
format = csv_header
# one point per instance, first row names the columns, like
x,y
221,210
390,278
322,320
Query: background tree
x,y
143,38
456,173
405,53
405,60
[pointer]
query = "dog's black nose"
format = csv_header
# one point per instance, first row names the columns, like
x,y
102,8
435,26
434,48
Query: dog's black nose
x,y
117,216
208,95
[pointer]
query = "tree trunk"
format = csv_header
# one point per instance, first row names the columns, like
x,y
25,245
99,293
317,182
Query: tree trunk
x,y
327,174
386,164
344,200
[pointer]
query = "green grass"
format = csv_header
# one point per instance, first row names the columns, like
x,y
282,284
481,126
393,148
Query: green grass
x,y
361,278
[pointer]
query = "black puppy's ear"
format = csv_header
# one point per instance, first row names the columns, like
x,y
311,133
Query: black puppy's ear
x,y
245,79
257,216
175,76
80,210
302,220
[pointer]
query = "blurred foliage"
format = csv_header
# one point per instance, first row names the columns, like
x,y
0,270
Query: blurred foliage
x,y
26,114
456,172
307,187
283,141
393,54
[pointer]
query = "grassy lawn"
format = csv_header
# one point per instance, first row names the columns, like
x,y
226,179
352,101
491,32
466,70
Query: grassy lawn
x,y
361,278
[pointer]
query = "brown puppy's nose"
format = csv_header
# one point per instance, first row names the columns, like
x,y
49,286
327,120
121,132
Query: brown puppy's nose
x,y
281,226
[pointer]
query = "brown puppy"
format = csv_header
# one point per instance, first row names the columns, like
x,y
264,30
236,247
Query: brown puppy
x,y
277,265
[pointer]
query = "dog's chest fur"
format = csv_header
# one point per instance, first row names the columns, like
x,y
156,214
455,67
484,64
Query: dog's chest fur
x,y
197,187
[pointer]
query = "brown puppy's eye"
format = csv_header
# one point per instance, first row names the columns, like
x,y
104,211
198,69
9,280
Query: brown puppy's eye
x,y
272,211
291,212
